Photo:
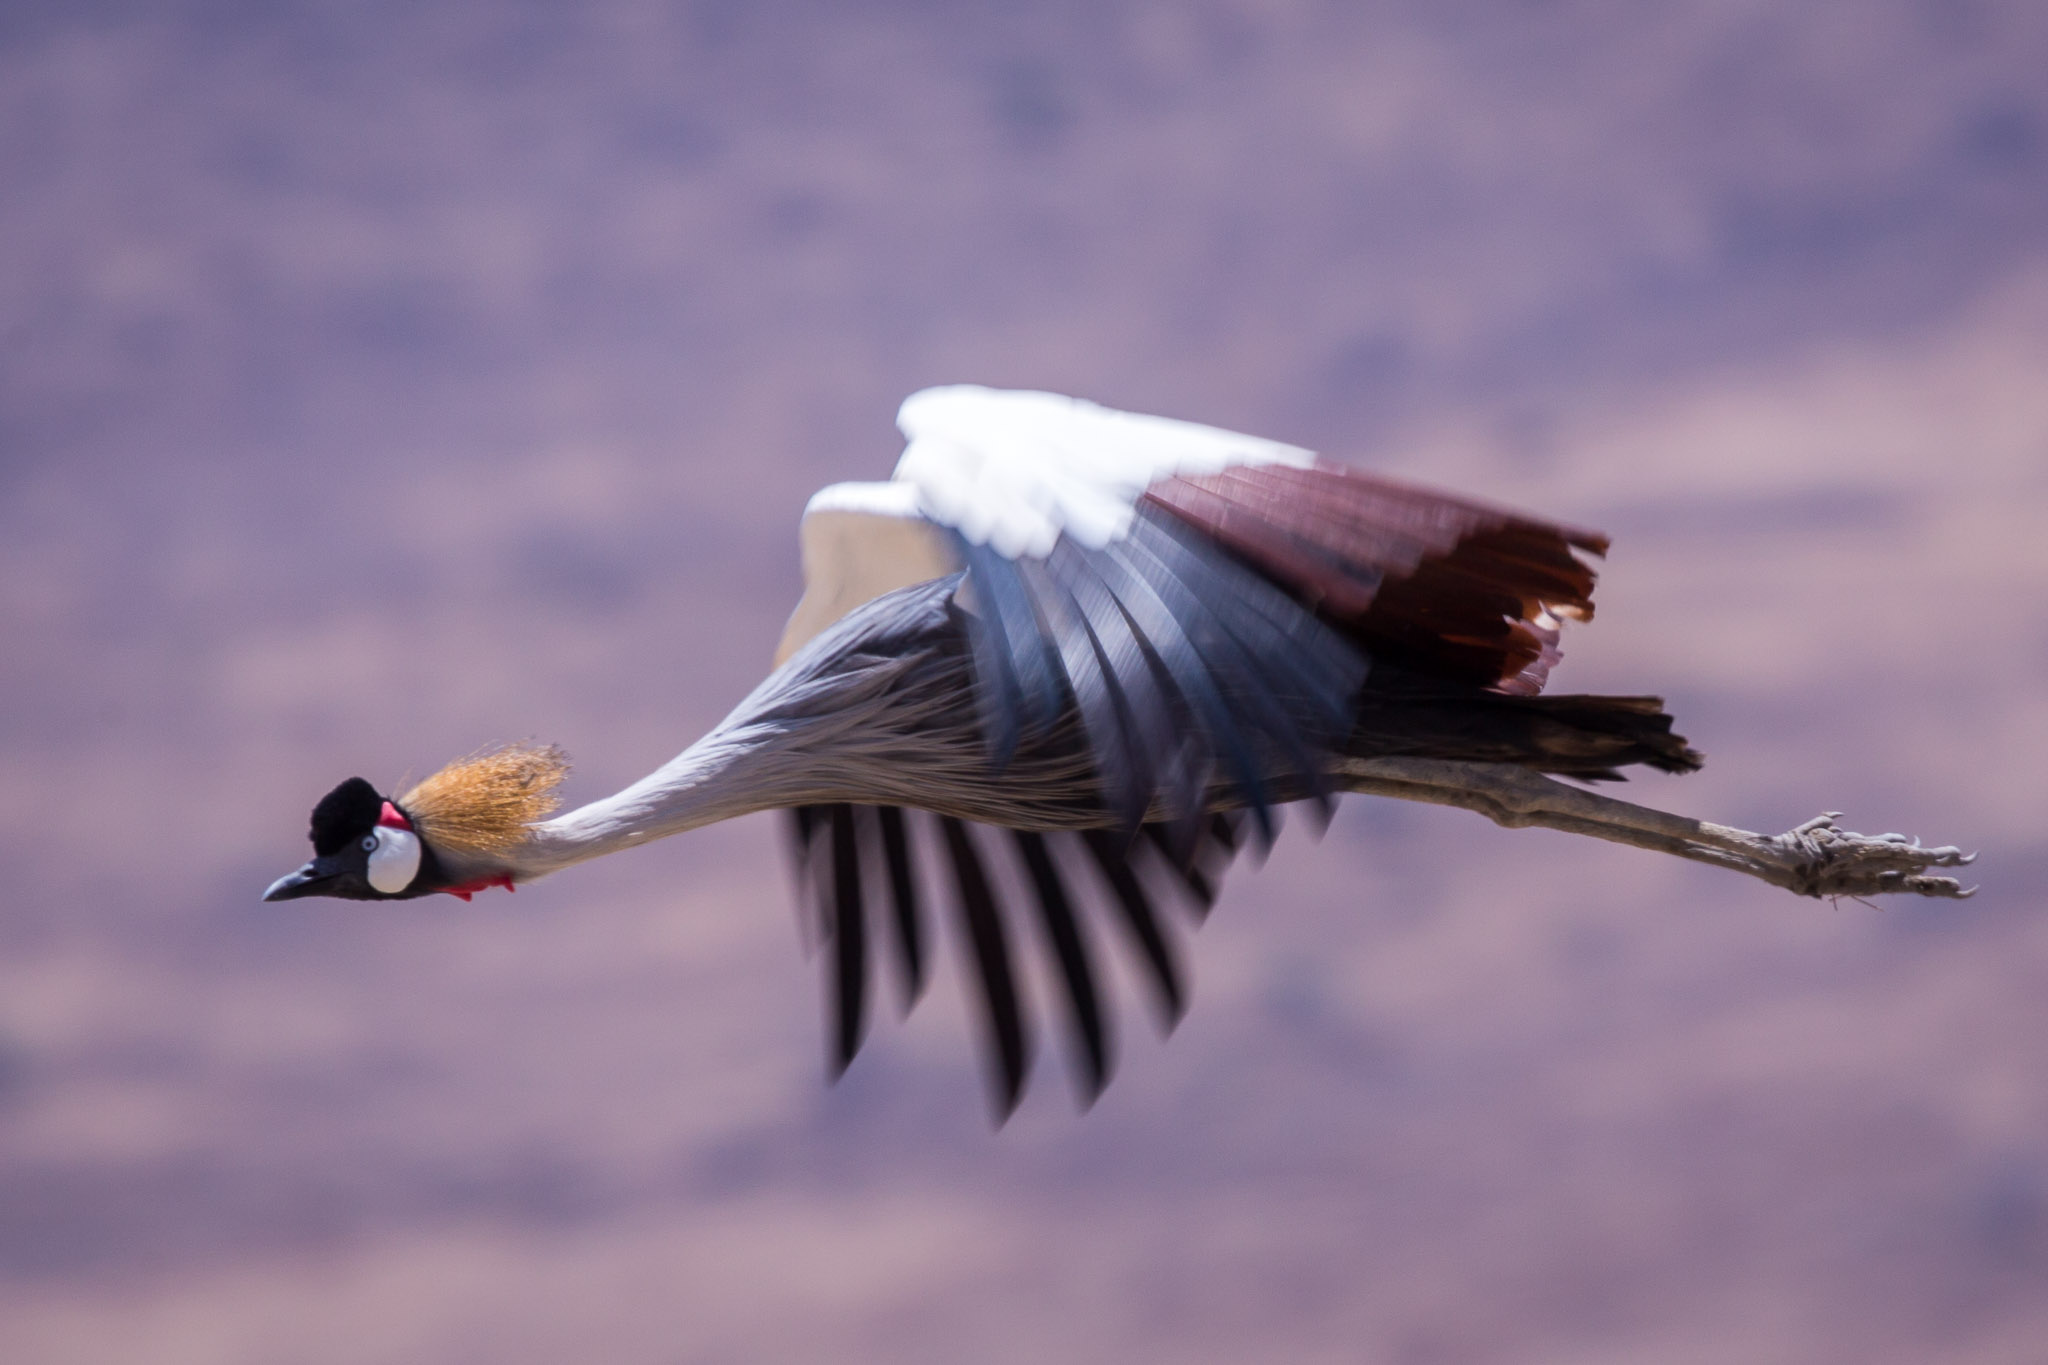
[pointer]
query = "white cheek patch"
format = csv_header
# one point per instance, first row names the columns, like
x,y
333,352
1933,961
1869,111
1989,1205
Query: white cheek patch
x,y
395,861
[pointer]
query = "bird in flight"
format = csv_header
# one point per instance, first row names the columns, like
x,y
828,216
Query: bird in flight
x,y
1053,676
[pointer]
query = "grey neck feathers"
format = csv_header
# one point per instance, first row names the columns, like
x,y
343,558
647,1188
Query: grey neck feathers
x,y
712,780
830,724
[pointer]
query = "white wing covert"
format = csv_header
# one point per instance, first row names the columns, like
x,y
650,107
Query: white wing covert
x,y
1016,470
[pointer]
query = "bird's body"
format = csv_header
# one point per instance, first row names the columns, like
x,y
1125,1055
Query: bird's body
x,y
1117,644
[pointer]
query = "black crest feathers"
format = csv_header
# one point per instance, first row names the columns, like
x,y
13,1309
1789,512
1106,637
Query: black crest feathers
x,y
345,815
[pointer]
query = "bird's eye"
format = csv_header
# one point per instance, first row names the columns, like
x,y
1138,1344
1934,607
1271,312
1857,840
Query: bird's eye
x,y
369,843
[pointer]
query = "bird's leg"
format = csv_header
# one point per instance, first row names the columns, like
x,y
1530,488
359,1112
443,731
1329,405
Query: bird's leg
x,y
1817,858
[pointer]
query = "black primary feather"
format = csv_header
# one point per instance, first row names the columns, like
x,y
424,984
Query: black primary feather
x,y
848,926
1070,951
1000,1001
907,914
1198,868
1112,857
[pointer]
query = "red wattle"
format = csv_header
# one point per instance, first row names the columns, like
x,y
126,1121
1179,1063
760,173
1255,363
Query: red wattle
x,y
468,889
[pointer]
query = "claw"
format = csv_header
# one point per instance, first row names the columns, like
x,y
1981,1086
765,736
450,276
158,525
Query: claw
x,y
1836,862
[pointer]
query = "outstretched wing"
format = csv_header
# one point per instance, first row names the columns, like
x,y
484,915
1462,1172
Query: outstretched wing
x,y
1209,604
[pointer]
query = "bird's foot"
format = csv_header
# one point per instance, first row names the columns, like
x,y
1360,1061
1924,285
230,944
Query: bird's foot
x,y
1829,861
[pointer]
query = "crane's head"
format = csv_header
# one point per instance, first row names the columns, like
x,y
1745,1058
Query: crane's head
x,y
365,848
454,832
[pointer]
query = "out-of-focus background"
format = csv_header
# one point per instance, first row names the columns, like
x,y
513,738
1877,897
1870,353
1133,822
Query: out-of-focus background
x,y
380,381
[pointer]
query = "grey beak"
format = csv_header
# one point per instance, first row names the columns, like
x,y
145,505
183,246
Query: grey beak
x,y
307,881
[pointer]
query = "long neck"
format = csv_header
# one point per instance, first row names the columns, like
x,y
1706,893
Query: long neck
x,y
834,723
714,779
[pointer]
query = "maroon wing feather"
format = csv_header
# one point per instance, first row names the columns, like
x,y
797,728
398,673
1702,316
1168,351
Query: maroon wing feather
x,y
1453,588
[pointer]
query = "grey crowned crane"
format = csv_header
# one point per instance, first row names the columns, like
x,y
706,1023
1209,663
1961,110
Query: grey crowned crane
x,y
1082,656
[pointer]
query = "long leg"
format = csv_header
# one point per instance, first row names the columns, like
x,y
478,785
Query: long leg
x,y
1817,858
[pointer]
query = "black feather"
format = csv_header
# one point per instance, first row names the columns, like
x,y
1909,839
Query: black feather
x,y
908,914
848,925
1186,865
344,815
999,999
1112,857
1223,828
1070,951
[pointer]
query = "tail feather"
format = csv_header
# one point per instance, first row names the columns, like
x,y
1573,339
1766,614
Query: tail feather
x,y
1586,737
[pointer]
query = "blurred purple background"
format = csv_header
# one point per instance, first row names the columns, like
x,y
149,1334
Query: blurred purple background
x,y
380,381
